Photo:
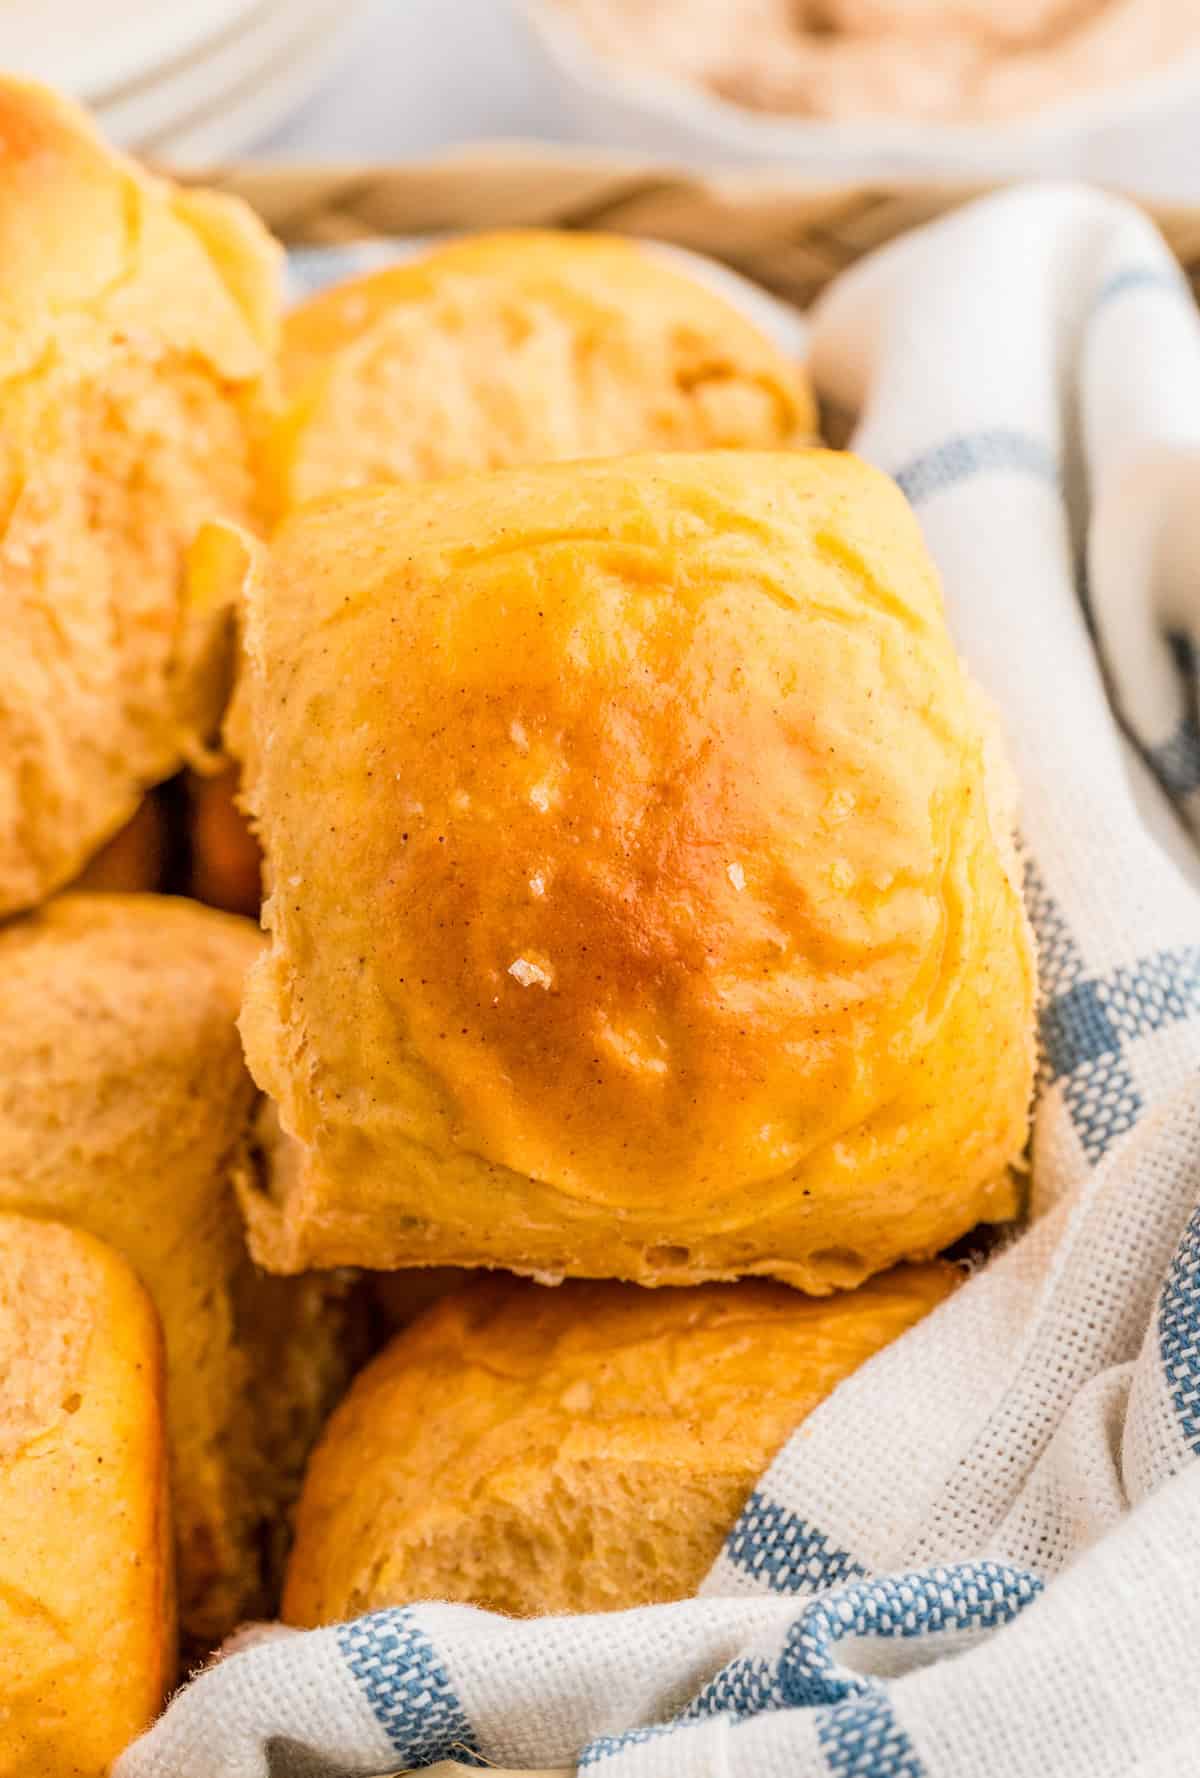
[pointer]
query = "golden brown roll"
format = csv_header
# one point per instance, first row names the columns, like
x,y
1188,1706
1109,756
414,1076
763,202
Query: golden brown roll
x,y
133,861
87,1622
125,1108
226,866
580,1449
521,347
639,909
136,325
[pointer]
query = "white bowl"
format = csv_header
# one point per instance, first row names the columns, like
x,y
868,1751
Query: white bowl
x,y
1143,136
194,109
64,44
218,104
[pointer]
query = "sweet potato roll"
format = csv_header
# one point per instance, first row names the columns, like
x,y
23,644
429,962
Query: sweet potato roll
x,y
525,346
580,1449
137,327
126,1109
643,899
87,1608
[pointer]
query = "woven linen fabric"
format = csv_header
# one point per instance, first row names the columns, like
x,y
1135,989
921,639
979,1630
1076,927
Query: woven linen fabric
x,y
982,1554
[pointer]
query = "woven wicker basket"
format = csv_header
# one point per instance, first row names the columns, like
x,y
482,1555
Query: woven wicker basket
x,y
791,237
787,235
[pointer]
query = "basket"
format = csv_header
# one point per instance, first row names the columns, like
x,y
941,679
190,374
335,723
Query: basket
x,y
791,236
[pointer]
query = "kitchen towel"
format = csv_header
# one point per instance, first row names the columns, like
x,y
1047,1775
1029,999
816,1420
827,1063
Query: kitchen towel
x,y
982,1554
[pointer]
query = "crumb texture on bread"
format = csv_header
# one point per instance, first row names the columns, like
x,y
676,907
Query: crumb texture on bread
x,y
580,1449
87,1633
636,907
522,347
125,1108
135,340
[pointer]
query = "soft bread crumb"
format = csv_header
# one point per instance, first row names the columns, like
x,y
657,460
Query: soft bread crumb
x,y
581,1449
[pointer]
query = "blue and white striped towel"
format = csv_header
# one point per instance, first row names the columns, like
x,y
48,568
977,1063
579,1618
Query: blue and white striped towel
x,y
982,1554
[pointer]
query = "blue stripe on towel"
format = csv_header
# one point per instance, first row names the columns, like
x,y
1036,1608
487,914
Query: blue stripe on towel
x,y
1179,1334
862,1739
402,1677
857,1730
785,1552
859,1735
743,1689
1088,1021
1087,1030
959,459
1140,277
958,1596
604,1746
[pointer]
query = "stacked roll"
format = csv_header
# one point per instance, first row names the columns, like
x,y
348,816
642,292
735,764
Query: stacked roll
x,y
642,928
642,910
137,357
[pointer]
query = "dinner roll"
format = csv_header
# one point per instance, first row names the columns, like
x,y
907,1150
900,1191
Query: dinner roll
x,y
136,325
518,347
125,1108
521,347
579,1449
225,866
639,909
87,1629
136,857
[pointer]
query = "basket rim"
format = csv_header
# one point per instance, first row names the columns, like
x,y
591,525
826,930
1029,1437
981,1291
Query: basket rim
x,y
298,191
790,233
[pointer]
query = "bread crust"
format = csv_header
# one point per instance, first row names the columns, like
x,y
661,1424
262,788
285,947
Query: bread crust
x,y
87,1625
137,327
638,909
580,1449
125,1108
522,346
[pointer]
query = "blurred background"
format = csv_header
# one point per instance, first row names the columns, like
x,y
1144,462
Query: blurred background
x,y
829,89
